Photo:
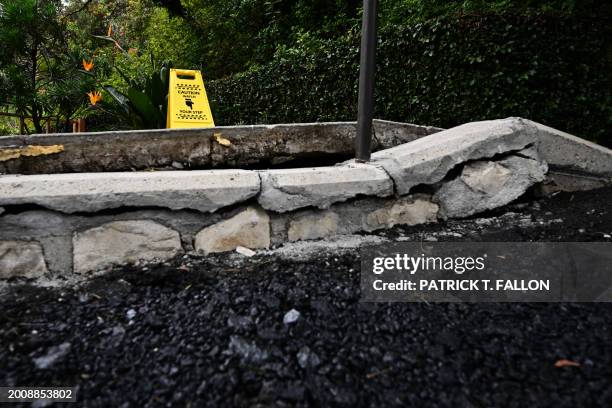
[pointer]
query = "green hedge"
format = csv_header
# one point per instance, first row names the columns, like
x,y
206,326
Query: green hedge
x,y
553,69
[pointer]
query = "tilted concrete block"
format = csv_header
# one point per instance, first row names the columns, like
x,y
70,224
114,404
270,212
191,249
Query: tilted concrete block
x,y
430,158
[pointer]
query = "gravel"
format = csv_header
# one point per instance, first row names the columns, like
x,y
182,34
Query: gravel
x,y
278,330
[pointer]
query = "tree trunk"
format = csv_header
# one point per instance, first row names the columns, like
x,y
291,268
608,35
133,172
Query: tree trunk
x,y
36,113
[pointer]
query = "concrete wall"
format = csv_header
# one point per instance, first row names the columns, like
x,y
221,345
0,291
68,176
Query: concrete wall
x,y
61,226
249,146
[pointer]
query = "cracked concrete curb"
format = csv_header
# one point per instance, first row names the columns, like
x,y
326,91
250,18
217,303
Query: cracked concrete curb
x,y
205,190
429,159
289,189
92,221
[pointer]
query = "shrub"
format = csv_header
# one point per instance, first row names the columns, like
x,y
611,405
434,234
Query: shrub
x,y
551,68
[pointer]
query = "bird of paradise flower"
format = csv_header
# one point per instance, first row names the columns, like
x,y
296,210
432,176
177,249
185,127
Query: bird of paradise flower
x,y
94,97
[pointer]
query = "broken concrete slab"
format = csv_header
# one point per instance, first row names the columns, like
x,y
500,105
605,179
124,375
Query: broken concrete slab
x,y
123,242
206,190
430,158
289,189
24,259
484,185
249,228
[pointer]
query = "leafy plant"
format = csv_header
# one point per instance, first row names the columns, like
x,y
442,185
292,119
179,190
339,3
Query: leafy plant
x,y
145,103
35,61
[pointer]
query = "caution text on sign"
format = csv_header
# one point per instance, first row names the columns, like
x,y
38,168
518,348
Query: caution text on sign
x,y
188,105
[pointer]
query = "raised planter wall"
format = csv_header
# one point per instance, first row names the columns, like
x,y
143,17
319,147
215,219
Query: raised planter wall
x,y
61,226
220,147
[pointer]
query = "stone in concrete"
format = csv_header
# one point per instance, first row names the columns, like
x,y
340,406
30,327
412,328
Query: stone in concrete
x,y
21,259
249,228
485,185
290,189
429,159
361,215
123,242
314,225
404,211
204,191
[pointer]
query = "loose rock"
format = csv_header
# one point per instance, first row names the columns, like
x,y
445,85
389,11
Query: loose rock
x,y
245,251
291,317
54,354
307,358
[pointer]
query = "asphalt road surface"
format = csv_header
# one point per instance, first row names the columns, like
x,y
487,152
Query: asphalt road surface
x,y
288,329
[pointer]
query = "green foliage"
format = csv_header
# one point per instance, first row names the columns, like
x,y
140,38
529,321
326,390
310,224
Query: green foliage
x,y
35,63
172,39
223,37
415,11
8,126
145,103
553,69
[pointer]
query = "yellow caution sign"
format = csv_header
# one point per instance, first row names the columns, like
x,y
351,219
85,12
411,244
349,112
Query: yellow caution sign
x,y
187,101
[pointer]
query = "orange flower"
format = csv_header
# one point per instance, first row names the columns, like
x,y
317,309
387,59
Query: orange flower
x,y
94,97
110,30
88,65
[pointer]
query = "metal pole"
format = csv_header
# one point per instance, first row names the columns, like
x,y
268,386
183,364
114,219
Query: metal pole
x,y
366,81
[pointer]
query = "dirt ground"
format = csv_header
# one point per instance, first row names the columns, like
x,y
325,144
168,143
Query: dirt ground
x,y
223,330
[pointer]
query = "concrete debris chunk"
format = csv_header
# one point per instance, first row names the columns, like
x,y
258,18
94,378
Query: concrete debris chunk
x,y
484,185
245,251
